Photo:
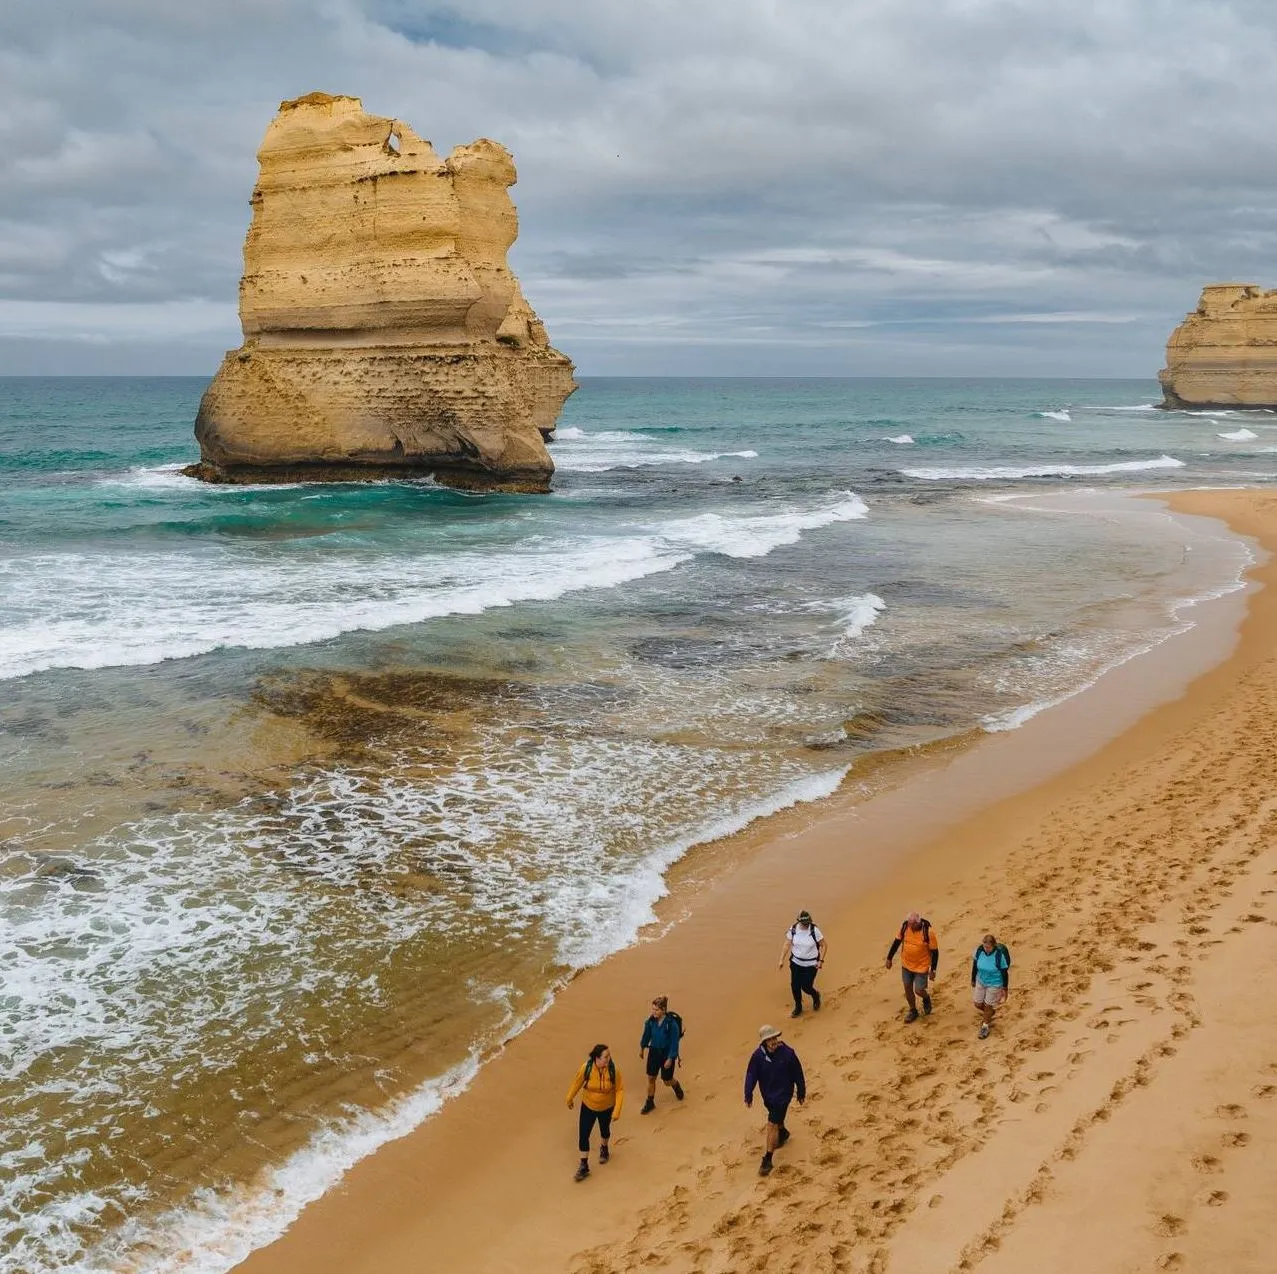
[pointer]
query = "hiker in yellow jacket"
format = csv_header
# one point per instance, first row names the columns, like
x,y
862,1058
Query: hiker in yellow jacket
x,y
602,1096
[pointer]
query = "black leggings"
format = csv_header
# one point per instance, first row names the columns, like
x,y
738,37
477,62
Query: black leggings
x,y
588,1119
801,979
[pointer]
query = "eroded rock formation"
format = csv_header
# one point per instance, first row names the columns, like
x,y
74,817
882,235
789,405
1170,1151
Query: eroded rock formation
x,y
1224,354
383,330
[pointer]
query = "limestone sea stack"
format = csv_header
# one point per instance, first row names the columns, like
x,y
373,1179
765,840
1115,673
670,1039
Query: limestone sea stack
x,y
1224,354
384,334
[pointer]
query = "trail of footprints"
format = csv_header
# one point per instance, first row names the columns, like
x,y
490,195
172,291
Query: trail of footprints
x,y
928,1097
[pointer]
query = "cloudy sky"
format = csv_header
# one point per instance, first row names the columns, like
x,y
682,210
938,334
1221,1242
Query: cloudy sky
x,y
822,187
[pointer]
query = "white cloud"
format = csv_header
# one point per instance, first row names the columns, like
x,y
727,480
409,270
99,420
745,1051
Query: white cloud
x,y
717,172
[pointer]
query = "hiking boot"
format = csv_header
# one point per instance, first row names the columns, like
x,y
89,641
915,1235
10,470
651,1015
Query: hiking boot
x,y
765,1168
784,1137
604,1154
815,1001
583,1171
984,1031
648,1107
798,1011
678,1090
912,1015
926,1004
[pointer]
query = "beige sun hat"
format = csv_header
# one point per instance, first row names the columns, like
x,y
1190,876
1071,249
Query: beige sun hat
x,y
767,1033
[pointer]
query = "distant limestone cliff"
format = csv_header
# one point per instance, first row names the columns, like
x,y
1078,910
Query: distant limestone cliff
x,y
1224,354
384,333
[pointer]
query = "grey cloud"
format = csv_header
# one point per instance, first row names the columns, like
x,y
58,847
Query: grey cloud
x,y
845,184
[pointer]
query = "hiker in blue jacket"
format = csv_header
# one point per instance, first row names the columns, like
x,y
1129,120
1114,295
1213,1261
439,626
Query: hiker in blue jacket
x,y
774,1069
661,1035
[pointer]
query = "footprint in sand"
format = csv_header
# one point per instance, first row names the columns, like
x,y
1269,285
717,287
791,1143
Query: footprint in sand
x,y
1231,1111
1171,1261
1265,1090
1216,1199
1236,1139
1169,1224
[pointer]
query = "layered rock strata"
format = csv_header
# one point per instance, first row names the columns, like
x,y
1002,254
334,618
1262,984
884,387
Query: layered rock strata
x,y
384,333
1224,354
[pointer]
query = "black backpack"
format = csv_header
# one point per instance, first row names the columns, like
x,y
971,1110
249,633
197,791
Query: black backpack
x,y
793,929
1001,956
926,930
678,1021
589,1069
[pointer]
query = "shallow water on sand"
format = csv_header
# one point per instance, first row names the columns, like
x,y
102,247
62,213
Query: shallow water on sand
x,y
313,794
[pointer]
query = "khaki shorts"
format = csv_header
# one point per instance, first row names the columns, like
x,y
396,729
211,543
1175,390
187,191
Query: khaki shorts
x,y
987,996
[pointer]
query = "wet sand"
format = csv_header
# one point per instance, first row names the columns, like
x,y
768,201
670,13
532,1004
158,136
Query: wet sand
x,y
1122,844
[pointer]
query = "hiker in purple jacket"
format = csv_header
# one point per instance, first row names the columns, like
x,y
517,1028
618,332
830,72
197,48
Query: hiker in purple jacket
x,y
774,1069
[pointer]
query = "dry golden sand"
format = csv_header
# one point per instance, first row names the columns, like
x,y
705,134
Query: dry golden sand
x,y
1120,1118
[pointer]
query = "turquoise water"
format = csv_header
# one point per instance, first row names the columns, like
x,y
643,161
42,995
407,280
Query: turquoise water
x,y
314,792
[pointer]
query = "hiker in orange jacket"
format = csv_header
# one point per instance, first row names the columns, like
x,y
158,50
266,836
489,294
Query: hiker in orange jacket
x,y
602,1095
919,956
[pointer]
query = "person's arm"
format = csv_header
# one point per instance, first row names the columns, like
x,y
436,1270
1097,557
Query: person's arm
x,y
784,955
935,952
975,966
646,1041
800,1081
620,1095
891,954
577,1084
822,945
1006,976
671,1053
751,1078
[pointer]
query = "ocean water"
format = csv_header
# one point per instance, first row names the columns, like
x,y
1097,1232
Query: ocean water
x,y
312,794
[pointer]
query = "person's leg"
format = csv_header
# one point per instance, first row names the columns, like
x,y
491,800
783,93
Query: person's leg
x,y
655,1060
796,987
924,988
667,1074
777,1134
807,984
910,999
605,1134
585,1126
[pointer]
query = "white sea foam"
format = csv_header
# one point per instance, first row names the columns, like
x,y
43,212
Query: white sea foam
x,y
1055,415
1084,655
628,904
577,451
979,473
162,477
1135,407
77,610
755,535
594,912
856,615
1239,435
169,477
603,460
860,613
901,440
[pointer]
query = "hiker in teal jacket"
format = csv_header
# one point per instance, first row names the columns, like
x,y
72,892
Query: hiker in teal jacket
x,y
990,980
661,1035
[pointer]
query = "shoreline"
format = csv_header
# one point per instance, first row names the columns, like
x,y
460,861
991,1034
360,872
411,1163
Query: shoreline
x,y
394,1201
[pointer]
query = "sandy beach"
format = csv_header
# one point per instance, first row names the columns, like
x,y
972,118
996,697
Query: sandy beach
x,y
1122,846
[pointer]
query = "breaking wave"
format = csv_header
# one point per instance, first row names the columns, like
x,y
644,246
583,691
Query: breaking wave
x,y
981,473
